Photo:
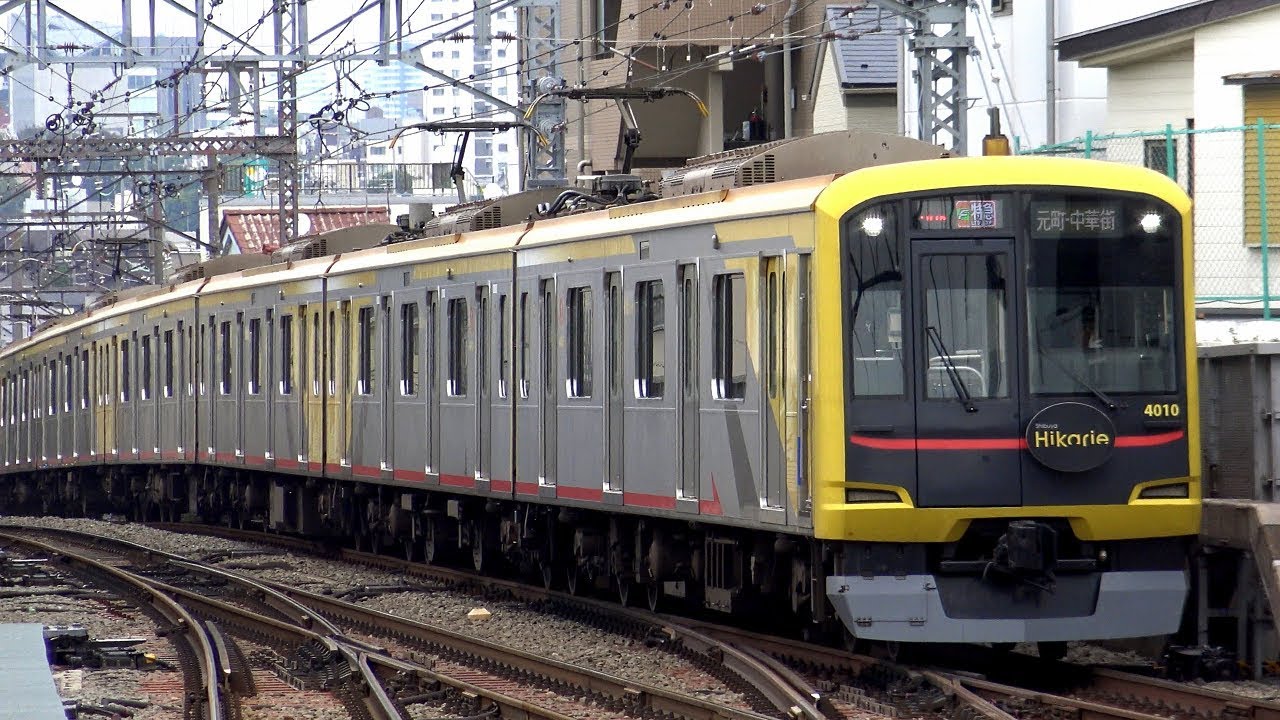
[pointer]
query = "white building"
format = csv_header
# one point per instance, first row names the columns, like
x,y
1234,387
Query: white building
x,y
1213,65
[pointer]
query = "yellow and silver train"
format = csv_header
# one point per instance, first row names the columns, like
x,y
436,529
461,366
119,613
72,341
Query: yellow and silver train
x,y
939,399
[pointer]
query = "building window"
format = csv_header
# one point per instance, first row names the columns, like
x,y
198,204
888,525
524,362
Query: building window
x,y
437,111
409,349
651,348
224,339
286,354
502,147
579,343
438,92
1158,155
457,347
364,323
1001,7
437,54
255,352
729,335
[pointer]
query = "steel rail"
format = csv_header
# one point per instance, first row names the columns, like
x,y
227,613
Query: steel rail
x,y
211,675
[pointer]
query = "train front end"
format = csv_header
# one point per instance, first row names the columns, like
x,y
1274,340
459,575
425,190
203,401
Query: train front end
x,y
1006,429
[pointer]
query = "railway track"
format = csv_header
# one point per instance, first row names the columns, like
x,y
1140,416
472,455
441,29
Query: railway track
x,y
806,680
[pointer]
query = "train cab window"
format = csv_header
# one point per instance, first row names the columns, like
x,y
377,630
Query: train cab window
x,y
874,288
224,344
729,335
286,354
365,328
410,356
651,344
144,387
126,371
1101,288
167,379
255,356
966,325
457,316
578,365
524,345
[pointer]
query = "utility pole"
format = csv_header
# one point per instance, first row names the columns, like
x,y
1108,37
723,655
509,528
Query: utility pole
x,y
539,33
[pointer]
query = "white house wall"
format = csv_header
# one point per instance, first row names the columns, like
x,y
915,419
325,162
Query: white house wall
x,y
1149,94
1224,266
833,110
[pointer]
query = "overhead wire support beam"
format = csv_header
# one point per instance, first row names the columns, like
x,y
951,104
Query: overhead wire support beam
x,y
539,51
941,46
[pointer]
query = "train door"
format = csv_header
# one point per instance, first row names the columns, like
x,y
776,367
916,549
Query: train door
x,y
548,311
689,387
795,360
527,391
580,415
255,429
149,401
652,422
614,460
963,360
337,373
313,359
408,431
773,405
432,386
386,383
484,396
457,428
364,445
501,365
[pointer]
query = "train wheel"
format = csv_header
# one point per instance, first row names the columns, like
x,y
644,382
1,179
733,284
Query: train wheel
x,y
624,591
572,578
653,594
409,548
548,572
430,550
479,550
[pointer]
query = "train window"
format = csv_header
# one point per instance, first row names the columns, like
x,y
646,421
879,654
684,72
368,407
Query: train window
x,y
365,328
615,334
255,356
84,379
1101,283
966,325
457,314
578,363
224,343
286,354
549,311
431,370
126,371
875,291
524,345
729,337
68,381
409,358
52,371
201,350
504,345
315,355
651,347
774,320
167,379
144,387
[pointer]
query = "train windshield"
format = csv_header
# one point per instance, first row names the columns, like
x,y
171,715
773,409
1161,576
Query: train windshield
x,y
1100,295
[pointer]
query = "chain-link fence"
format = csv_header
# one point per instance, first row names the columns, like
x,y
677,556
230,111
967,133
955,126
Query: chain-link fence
x,y
1232,174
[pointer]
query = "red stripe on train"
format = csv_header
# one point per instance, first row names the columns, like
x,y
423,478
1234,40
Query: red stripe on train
x,y
876,443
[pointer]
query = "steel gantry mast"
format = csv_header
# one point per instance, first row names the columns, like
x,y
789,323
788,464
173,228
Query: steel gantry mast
x,y
941,46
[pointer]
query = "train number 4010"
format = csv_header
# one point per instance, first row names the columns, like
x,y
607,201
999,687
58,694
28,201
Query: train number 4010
x,y
1162,410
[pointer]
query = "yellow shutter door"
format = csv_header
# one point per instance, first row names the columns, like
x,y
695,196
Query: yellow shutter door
x,y
1261,101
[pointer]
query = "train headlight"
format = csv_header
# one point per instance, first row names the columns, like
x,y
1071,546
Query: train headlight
x,y
872,226
1176,490
867,495
1150,223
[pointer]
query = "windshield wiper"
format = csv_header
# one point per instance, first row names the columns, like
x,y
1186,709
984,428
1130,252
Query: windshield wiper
x,y
962,392
1112,405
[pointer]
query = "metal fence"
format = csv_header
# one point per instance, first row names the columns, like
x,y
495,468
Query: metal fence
x,y
1232,175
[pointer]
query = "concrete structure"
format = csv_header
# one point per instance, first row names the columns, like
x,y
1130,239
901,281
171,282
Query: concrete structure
x,y
26,685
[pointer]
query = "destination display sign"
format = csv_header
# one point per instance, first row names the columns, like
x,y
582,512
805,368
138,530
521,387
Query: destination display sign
x,y
1098,219
1071,437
